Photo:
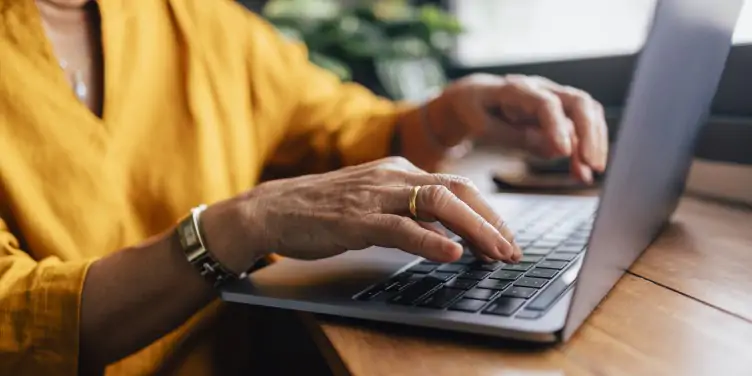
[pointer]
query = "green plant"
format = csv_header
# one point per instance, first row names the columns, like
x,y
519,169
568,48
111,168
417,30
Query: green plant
x,y
344,38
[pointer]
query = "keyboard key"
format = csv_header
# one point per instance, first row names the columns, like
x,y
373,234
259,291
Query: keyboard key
x,y
417,290
459,283
529,315
537,251
475,274
452,268
570,249
442,298
546,243
555,237
580,235
521,267
466,259
489,267
523,245
508,275
526,238
549,295
519,292
494,284
468,305
531,258
465,246
403,280
576,242
536,232
552,264
504,306
557,256
423,268
531,282
372,292
481,294
444,276
385,296
541,273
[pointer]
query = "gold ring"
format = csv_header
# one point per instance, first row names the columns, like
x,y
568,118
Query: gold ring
x,y
413,199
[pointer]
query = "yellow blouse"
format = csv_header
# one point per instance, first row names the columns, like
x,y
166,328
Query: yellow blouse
x,y
200,97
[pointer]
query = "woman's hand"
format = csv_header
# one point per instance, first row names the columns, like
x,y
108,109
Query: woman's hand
x,y
318,216
530,113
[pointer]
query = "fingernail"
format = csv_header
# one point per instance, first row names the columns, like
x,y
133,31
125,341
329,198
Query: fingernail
x,y
591,156
565,142
587,175
517,256
506,249
501,252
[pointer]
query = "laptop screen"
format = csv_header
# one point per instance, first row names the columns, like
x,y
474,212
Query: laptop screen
x,y
676,77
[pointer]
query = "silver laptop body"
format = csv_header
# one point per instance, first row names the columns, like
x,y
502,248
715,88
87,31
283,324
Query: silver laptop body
x,y
675,80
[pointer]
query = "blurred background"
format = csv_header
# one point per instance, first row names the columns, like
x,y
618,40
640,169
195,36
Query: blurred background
x,y
408,50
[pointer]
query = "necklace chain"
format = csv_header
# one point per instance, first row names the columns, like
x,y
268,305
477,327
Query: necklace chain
x,y
74,75
76,78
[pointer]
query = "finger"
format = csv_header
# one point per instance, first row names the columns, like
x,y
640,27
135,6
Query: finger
x,y
539,144
579,169
588,124
544,105
393,231
582,111
433,228
388,165
473,204
466,191
603,140
589,121
508,234
439,202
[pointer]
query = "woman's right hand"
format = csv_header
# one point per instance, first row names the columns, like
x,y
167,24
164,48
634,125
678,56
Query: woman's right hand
x,y
319,216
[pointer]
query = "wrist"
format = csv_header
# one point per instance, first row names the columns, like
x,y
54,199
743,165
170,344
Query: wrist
x,y
231,237
436,121
431,133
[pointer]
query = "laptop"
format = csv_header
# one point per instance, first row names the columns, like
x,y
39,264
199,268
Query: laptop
x,y
575,248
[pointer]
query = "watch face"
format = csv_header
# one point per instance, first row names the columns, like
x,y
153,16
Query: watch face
x,y
188,236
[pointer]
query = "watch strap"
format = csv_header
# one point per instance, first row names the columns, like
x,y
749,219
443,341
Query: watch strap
x,y
195,250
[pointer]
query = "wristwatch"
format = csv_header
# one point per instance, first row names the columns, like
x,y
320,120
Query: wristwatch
x,y
195,251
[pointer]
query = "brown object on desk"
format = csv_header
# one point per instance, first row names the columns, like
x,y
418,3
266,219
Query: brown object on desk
x,y
684,308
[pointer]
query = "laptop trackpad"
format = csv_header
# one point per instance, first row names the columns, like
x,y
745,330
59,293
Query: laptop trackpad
x,y
342,276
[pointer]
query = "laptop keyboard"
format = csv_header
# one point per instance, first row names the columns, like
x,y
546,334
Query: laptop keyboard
x,y
552,237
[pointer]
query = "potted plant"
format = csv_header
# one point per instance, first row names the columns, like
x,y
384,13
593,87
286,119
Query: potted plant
x,y
395,49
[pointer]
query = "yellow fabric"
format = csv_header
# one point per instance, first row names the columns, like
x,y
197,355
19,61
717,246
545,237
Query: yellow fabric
x,y
200,97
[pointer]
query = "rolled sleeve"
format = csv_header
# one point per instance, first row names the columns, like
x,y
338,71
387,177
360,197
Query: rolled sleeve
x,y
39,312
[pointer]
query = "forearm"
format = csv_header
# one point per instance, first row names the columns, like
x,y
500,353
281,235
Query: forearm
x,y
135,296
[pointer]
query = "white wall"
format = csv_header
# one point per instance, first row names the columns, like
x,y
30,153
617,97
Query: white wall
x,y
512,31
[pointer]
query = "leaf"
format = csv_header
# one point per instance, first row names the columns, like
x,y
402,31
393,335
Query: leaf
x,y
339,68
437,20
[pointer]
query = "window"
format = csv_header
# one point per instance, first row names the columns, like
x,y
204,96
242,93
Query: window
x,y
503,32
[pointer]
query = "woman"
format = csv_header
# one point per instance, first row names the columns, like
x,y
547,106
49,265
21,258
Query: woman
x,y
119,116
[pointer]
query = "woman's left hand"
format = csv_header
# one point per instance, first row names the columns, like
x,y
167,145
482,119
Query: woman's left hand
x,y
526,112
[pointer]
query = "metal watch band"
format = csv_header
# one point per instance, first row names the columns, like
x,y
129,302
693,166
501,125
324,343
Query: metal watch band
x,y
195,251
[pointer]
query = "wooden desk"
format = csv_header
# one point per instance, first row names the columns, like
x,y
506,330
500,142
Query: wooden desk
x,y
684,308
